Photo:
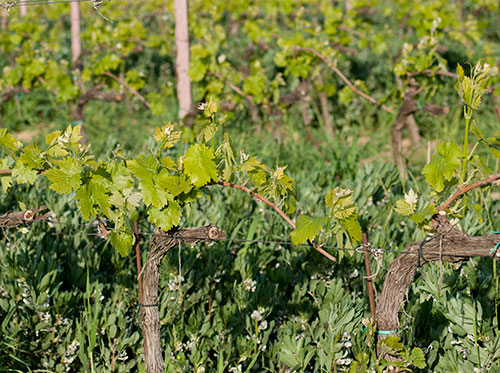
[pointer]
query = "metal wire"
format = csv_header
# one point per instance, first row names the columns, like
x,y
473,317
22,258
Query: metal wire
x,y
41,2
241,240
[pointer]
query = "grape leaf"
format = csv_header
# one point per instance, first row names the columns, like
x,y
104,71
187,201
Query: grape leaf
x,y
199,165
166,218
94,193
426,213
353,227
6,183
142,167
174,184
167,136
31,157
7,140
404,208
23,174
443,165
122,241
340,203
120,176
84,202
249,164
306,229
153,194
66,178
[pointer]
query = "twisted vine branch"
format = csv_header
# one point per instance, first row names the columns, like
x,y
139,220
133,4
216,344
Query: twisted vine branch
x,y
276,208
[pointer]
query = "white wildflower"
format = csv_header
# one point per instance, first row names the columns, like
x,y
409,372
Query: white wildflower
x,y
123,356
263,325
221,58
243,156
250,285
237,369
344,361
256,315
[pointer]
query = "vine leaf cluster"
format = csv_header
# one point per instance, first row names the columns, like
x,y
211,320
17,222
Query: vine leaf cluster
x,y
115,188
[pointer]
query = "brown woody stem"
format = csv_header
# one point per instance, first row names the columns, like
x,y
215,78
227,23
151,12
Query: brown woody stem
x,y
489,180
132,90
278,210
343,77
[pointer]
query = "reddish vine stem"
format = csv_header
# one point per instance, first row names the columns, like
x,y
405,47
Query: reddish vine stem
x,y
277,209
343,77
126,85
369,279
233,87
428,72
489,180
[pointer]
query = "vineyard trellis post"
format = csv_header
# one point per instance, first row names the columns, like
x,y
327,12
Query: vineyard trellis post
x,y
182,57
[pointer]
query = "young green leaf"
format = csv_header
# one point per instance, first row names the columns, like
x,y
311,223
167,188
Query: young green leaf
x,y
340,203
404,208
174,184
66,178
154,194
23,174
122,241
199,165
425,214
7,140
143,167
306,229
418,358
166,218
353,228
443,165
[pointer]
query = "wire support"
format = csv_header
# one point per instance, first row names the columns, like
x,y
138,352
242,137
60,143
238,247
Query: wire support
x,y
41,2
374,251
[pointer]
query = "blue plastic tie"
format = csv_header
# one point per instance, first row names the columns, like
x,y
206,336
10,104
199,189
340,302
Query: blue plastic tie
x,y
76,122
497,245
383,332
387,332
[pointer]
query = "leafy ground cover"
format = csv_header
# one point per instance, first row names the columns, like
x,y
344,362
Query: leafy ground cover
x,y
69,301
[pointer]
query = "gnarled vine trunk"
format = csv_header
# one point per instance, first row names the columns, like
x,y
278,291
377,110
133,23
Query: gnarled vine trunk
x,y
448,245
160,244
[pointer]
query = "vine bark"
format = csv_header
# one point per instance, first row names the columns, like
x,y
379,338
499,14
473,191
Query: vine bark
x,y
449,245
160,244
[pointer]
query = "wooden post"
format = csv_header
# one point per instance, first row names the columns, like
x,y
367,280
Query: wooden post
x,y
78,114
23,10
76,42
182,57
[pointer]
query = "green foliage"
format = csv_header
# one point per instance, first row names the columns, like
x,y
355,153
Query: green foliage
x,y
307,229
392,345
164,185
199,165
312,322
443,165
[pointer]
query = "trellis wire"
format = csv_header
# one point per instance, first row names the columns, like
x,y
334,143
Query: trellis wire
x,y
241,240
96,4
11,4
